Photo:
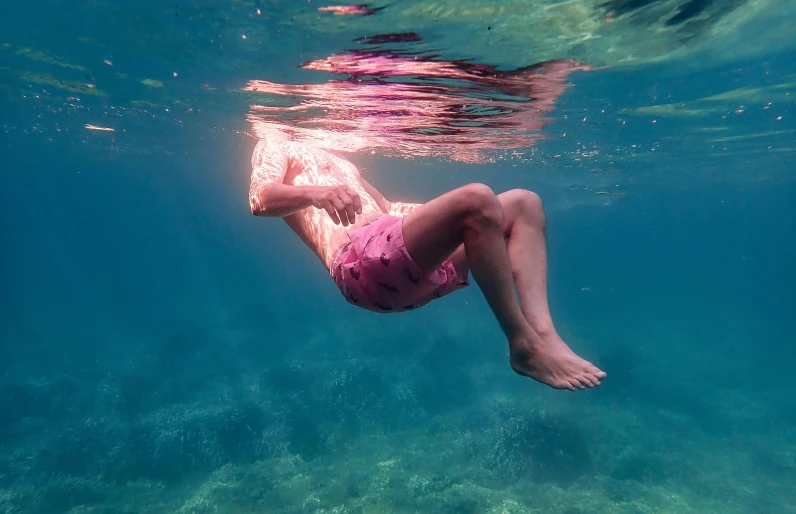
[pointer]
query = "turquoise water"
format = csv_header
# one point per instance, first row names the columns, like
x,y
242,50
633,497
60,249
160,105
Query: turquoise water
x,y
165,351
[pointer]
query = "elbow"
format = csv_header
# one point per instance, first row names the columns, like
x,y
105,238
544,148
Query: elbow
x,y
257,203
256,206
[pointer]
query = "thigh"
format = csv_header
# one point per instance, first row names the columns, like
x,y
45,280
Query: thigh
x,y
510,202
433,231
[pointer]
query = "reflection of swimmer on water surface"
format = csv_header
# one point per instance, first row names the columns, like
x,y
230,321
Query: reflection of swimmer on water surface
x,y
391,257
412,107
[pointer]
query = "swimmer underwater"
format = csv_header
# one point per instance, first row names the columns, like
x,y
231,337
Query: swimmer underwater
x,y
391,257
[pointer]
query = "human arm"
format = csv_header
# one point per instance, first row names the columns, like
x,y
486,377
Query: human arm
x,y
270,196
279,200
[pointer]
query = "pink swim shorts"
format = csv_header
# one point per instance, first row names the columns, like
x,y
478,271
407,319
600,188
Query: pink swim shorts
x,y
374,271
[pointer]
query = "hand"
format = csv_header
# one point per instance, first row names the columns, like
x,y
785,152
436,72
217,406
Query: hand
x,y
341,202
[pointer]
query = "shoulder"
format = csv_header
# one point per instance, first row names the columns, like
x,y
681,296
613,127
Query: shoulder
x,y
269,149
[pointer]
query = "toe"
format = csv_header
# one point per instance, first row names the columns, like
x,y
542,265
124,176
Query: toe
x,y
592,379
566,384
597,372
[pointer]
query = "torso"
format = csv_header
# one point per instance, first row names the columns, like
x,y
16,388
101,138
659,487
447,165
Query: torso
x,y
312,166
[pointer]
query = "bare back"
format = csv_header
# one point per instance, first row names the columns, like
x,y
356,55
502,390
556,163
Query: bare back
x,y
314,166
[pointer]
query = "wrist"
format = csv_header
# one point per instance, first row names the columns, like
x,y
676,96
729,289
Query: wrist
x,y
312,194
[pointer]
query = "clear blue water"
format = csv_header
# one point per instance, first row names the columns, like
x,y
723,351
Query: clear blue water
x,y
164,351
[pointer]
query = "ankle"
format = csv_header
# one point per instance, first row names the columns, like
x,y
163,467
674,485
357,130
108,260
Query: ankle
x,y
525,342
545,330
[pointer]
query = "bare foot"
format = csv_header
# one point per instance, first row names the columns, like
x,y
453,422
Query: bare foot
x,y
550,361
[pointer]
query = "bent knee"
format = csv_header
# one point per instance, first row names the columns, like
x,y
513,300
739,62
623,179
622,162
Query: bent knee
x,y
479,203
526,202
476,193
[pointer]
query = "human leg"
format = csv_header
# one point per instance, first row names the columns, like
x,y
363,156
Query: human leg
x,y
471,220
524,228
468,216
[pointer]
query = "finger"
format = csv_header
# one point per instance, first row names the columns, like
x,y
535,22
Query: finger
x,y
349,209
357,201
339,206
344,217
331,212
